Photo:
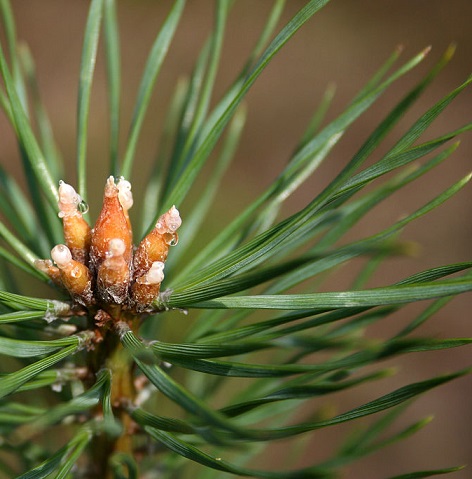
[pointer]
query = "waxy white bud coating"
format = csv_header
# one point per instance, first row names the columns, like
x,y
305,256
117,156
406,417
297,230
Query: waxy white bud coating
x,y
173,219
116,247
110,188
69,200
169,222
155,275
61,255
67,194
124,193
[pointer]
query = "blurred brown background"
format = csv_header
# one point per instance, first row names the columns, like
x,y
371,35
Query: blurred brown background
x,y
344,44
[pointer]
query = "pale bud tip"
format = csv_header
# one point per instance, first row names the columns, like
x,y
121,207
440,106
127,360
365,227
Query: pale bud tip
x,y
61,255
110,187
67,193
69,199
171,221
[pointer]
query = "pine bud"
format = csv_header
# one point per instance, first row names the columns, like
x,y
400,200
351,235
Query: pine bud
x,y
77,232
75,276
155,246
110,224
146,288
46,266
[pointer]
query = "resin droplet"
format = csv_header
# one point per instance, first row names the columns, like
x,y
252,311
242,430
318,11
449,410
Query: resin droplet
x,y
146,288
77,233
113,277
171,238
155,246
82,207
75,276
111,223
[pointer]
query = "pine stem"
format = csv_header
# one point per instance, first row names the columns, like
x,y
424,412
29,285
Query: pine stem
x,y
111,355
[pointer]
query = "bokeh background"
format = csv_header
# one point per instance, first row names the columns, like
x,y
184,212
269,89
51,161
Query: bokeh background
x,y
343,45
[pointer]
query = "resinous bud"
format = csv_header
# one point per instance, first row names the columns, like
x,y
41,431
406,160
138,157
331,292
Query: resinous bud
x,y
113,277
146,288
77,232
47,266
155,246
111,223
75,276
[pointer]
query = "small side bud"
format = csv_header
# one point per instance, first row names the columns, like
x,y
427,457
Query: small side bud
x,y
75,276
62,256
113,276
146,288
111,223
46,266
77,232
155,246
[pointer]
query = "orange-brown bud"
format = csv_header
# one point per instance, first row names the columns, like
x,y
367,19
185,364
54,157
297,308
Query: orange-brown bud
x,y
111,223
155,246
77,232
113,276
75,276
99,268
146,288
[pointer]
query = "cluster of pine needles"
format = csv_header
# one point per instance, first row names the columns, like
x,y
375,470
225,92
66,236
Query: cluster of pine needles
x,y
262,348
